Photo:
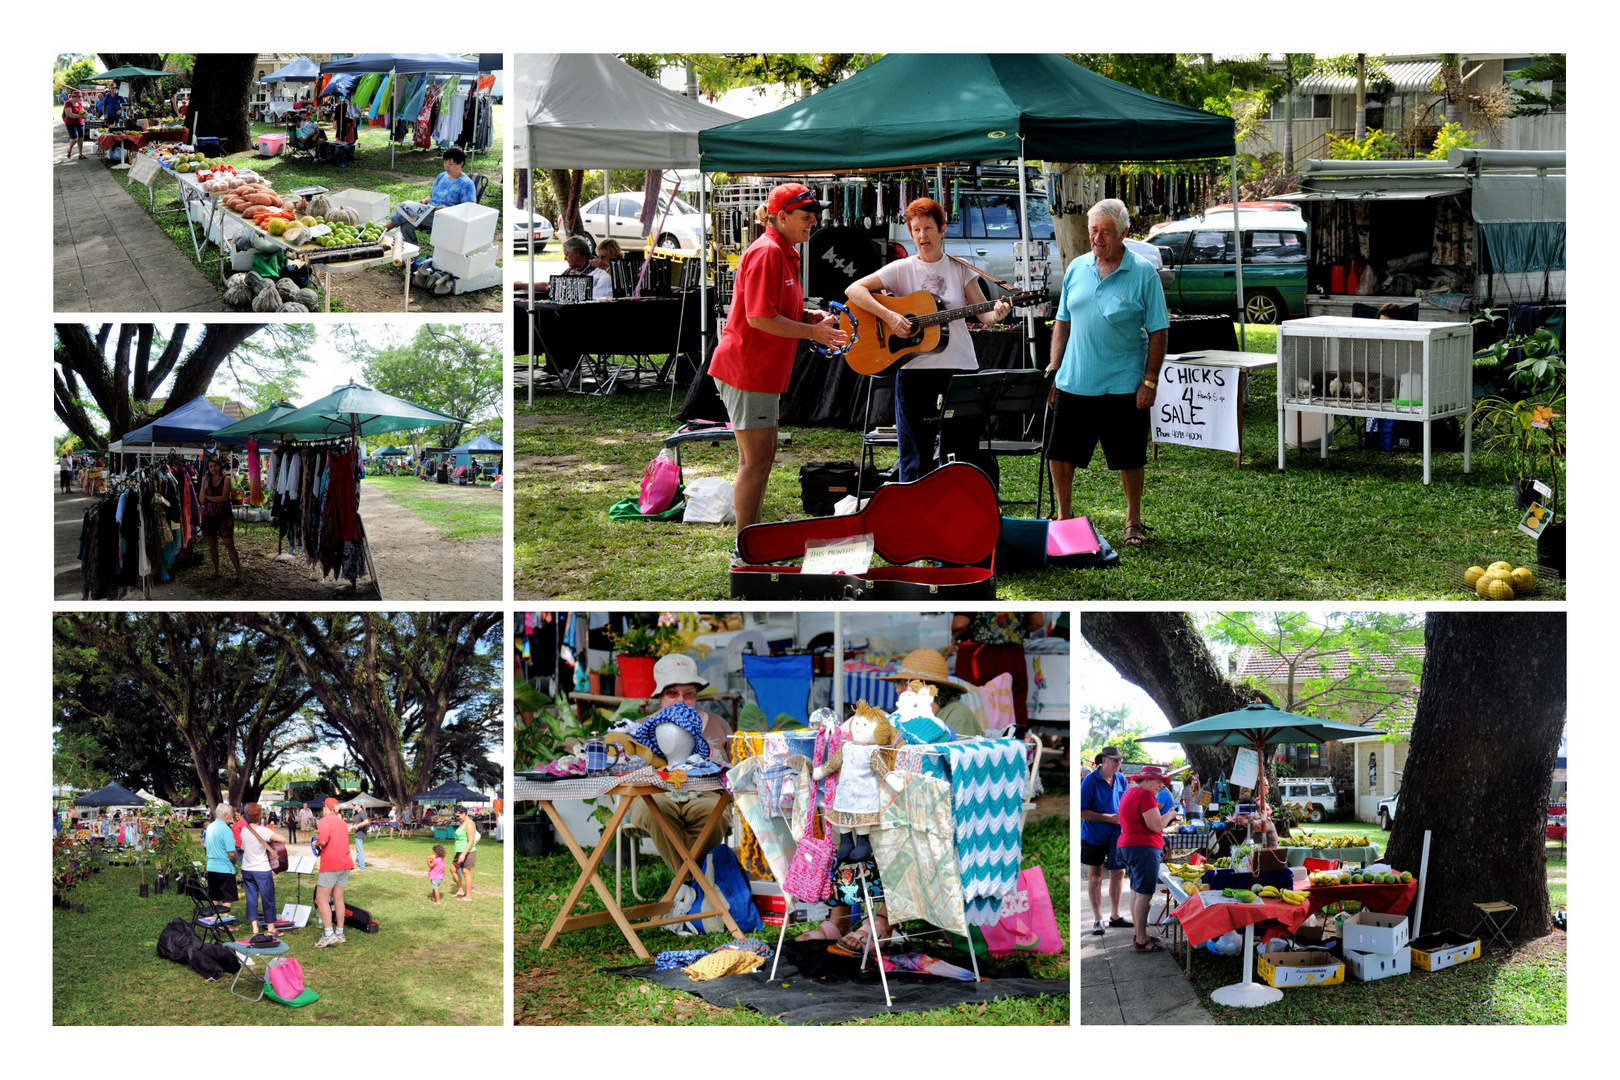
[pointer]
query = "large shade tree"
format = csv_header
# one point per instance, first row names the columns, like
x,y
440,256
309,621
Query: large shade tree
x,y
232,696
1479,770
221,89
388,684
455,368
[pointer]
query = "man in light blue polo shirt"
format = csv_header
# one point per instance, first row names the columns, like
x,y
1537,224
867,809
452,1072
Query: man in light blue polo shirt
x,y
1107,346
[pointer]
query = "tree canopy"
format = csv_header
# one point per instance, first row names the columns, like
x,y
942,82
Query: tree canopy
x,y
455,368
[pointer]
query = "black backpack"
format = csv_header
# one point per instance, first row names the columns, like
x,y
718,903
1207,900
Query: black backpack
x,y
177,941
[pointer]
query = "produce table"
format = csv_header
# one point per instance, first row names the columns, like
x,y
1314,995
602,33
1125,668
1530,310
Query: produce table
x,y
1207,916
218,223
1389,899
140,140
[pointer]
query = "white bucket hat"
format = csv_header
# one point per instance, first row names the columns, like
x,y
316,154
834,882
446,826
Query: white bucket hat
x,y
677,669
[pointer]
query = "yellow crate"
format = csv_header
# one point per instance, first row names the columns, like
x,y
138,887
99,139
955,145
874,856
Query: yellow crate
x,y
1312,968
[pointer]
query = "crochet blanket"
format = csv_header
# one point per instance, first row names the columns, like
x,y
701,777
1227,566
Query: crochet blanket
x,y
987,796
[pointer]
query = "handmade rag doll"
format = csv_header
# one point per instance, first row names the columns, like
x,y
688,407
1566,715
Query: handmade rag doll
x,y
863,760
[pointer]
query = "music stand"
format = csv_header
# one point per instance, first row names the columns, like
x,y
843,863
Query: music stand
x,y
978,396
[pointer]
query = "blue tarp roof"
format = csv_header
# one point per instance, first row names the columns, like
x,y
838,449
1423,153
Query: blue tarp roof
x,y
194,422
302,69
403,63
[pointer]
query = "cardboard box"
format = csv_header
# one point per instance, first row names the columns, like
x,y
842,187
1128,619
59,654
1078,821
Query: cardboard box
x,y
1369,967
370,205
1310,968
1374,932
1443,949
1314,937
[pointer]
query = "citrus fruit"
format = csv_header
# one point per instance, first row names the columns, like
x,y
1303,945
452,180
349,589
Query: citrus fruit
x,y
1524,582
1473,574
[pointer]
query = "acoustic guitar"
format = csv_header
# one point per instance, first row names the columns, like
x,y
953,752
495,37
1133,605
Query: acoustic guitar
x,y
880,348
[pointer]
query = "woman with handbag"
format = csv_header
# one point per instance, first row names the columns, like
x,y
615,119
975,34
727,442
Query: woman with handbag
x,y
257,877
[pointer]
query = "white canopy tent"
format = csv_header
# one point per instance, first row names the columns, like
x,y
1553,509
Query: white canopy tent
x,y
594,111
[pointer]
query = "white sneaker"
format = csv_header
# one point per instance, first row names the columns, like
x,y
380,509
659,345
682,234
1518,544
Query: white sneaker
x,y
326,939
341,939
1099,927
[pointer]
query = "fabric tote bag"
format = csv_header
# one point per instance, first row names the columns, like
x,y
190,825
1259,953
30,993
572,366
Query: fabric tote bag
x,y
1027,922
810,876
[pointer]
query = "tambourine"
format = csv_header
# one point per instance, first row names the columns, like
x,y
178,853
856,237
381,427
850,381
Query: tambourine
x,y
839,310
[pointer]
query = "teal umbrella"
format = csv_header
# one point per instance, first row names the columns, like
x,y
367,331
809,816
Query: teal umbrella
x,y
127,72
250,426
354,411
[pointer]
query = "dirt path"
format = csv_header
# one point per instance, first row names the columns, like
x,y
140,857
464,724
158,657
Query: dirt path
x,y
383,290
415,563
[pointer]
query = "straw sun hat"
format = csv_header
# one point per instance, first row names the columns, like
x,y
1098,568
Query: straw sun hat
x,y
925,665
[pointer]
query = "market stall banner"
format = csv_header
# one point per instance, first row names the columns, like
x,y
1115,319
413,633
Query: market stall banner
x,y
1197,406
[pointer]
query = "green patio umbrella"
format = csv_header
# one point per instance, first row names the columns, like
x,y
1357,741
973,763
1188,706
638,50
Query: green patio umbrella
x,y
249,426
1258,726
353,411
127,72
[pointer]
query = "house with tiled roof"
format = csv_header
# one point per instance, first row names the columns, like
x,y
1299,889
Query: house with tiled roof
x,y
1365,769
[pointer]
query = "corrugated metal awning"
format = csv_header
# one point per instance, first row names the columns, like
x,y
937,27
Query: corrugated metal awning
x,y
1417,76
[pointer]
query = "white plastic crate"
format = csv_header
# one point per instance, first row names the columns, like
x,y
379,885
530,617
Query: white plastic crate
x,y
463,229
465,266
370,205
1376,368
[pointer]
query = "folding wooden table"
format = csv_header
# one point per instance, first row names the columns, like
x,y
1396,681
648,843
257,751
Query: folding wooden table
x,y
655,913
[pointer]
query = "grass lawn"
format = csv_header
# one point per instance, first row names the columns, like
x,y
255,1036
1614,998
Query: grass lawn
x,y
438,965
1360,526
455,519
565,984
409,177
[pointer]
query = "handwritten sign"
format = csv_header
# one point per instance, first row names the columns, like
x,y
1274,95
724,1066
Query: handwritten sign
x,y
848,555
144,169
1197,406
1246,769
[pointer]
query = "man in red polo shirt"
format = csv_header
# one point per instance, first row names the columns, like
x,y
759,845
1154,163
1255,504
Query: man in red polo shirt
x,y
753,363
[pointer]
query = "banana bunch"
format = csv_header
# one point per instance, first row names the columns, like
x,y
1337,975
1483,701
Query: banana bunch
x,y
1268,892
1295,897
1347,840
1186,871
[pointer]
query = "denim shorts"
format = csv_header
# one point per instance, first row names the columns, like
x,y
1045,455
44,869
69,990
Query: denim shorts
x,y
1142,867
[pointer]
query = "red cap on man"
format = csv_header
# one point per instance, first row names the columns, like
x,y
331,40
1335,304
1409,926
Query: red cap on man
x,y
330,803
792,197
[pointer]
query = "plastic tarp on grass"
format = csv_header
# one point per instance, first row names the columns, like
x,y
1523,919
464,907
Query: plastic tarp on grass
x,y
919,109
594,111
194,423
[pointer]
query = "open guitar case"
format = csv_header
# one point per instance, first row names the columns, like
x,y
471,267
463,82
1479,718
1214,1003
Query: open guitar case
x,y
951,516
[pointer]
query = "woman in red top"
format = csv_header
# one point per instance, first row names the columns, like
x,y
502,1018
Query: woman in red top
x,y
73,118
753,364
1141,845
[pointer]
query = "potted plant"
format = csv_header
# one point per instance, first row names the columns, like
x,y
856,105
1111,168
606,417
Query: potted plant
x,y
639,649
549,724
1525,428
607,677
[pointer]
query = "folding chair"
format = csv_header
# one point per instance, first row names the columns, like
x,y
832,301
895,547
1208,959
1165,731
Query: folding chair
x,y
213,921
1493,912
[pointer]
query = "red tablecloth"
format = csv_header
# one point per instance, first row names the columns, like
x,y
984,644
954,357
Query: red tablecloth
x,y
1206,922
141,139
1557,832
1389,899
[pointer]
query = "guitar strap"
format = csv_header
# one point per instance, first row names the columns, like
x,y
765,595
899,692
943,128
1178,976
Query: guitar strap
x,y
983,273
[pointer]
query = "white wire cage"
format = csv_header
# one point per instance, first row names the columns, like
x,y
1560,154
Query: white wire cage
x,y
1375,369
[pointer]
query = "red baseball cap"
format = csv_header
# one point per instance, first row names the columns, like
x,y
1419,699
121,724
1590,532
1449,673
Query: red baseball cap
x,y
330,804
792,197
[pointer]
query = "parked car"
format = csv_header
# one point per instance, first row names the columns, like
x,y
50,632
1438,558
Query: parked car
x,y
1386,811
1261,206
522,237
985,229
1201,258
619,216
1315,796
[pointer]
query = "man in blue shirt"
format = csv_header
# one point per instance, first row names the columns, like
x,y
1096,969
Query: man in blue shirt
x,y
111,106
450,188
1107,346
1099,835
219,842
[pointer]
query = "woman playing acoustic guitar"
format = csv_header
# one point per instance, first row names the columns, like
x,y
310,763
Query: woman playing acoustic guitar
x,y
922,381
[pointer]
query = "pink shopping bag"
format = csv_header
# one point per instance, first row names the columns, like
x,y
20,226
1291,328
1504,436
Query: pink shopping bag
x,y
1027,922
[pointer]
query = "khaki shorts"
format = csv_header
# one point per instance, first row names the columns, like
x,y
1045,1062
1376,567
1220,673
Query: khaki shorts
x,y
749,410
332,879
468,859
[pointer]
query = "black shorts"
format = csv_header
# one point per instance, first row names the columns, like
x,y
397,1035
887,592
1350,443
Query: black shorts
x,y
1104,855
1082,421
221,887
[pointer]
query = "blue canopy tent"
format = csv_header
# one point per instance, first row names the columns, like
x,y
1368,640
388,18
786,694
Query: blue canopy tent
x,y
397,64
462,455
451,792
192,425
301,70
113,794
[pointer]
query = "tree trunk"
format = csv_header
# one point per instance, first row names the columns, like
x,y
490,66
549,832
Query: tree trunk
x,y
1068,230
221,84
1484,744
1361,96
567,186
1288,121
1164,654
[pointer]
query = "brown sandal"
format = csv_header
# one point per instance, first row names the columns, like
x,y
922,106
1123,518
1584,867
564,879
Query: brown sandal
x,y
1136,535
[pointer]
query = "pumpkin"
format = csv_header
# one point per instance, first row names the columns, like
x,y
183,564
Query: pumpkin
x,y
238,295
293,308
239,280
294,235
319,206
268,300
287,286
348,215
308,297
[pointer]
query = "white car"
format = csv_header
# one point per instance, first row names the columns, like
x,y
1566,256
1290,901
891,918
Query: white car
x,y
618,216
519,227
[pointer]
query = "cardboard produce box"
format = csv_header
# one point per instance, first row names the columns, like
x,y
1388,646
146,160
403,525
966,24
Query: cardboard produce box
x,y
1369,967
1443,949
1310,968
1374,932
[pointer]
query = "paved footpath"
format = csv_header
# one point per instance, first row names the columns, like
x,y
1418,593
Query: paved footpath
x,y
109,255
1119,985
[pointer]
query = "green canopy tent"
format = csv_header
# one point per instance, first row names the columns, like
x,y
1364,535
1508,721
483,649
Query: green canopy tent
x,y
1257,726
251,426
911,109
352,412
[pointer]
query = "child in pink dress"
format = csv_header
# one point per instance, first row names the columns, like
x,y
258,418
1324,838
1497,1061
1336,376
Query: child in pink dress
x,y
436,871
